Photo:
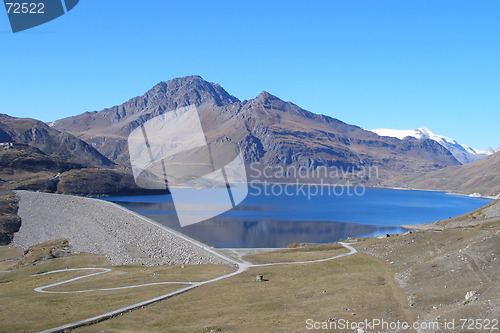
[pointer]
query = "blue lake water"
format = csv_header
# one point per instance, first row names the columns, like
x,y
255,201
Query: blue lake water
x,y
267,220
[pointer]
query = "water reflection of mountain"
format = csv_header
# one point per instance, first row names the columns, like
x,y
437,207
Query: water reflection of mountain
x,y
235,232
161,207
276,221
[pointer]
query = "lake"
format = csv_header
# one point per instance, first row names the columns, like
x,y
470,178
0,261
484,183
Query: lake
x,y
271,218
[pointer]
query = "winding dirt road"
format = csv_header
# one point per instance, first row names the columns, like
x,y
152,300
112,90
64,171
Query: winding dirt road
x,y
242,266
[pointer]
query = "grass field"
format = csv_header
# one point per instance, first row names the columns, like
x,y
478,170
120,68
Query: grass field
x,y
23,309
422,275
354,287
437,270
303,252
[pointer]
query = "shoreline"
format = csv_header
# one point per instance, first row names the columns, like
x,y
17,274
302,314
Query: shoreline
x,y
80,201
449,192
407,227
416,226
258,182
473,196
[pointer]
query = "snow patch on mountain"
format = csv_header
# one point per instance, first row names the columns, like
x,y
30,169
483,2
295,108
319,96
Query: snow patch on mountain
x,y
492,150
463,153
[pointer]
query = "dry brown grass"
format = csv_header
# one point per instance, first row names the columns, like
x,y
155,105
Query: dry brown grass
x,y
354,287
10,252
437,269
23,309
303,252
434,270
134,274
477,213
9,256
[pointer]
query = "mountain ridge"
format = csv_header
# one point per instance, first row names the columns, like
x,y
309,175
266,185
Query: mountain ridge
x,y
51,141
482,177
463,153
269,130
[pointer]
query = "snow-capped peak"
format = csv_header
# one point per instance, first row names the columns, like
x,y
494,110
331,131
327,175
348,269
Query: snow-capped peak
x,y
490,150
463,153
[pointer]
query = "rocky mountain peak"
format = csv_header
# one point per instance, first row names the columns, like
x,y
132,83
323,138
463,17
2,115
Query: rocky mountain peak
x,y
190,90
265,96
463,153
272,131
163,97
269,101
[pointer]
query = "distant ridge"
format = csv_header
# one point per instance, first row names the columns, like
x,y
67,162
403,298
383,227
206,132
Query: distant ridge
x,y
463,153
482,177
37,134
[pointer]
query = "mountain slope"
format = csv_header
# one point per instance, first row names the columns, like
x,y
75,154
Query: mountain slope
x,y
482,177
49,140
463,153
107,130
274,132
25,167
270,131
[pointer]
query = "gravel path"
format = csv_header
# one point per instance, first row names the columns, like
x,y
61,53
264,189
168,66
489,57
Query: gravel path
x,y
101,227
242,267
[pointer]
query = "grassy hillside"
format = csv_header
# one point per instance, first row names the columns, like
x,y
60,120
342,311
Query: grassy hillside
x,y
482,177
26,168
37,134
99,182
422,275
24,310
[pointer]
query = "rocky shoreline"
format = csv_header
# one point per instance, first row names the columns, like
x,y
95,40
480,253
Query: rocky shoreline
x,y
101,227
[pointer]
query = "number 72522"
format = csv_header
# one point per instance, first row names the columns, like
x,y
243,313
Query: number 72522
x,y
25,7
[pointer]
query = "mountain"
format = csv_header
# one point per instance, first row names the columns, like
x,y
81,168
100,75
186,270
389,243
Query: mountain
x,y
24,158
26,167
95,182
270,131
107,130
490,151
463,153
481,177
23,167
50,141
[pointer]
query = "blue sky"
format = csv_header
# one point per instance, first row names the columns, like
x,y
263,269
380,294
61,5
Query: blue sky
x,y
376,64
